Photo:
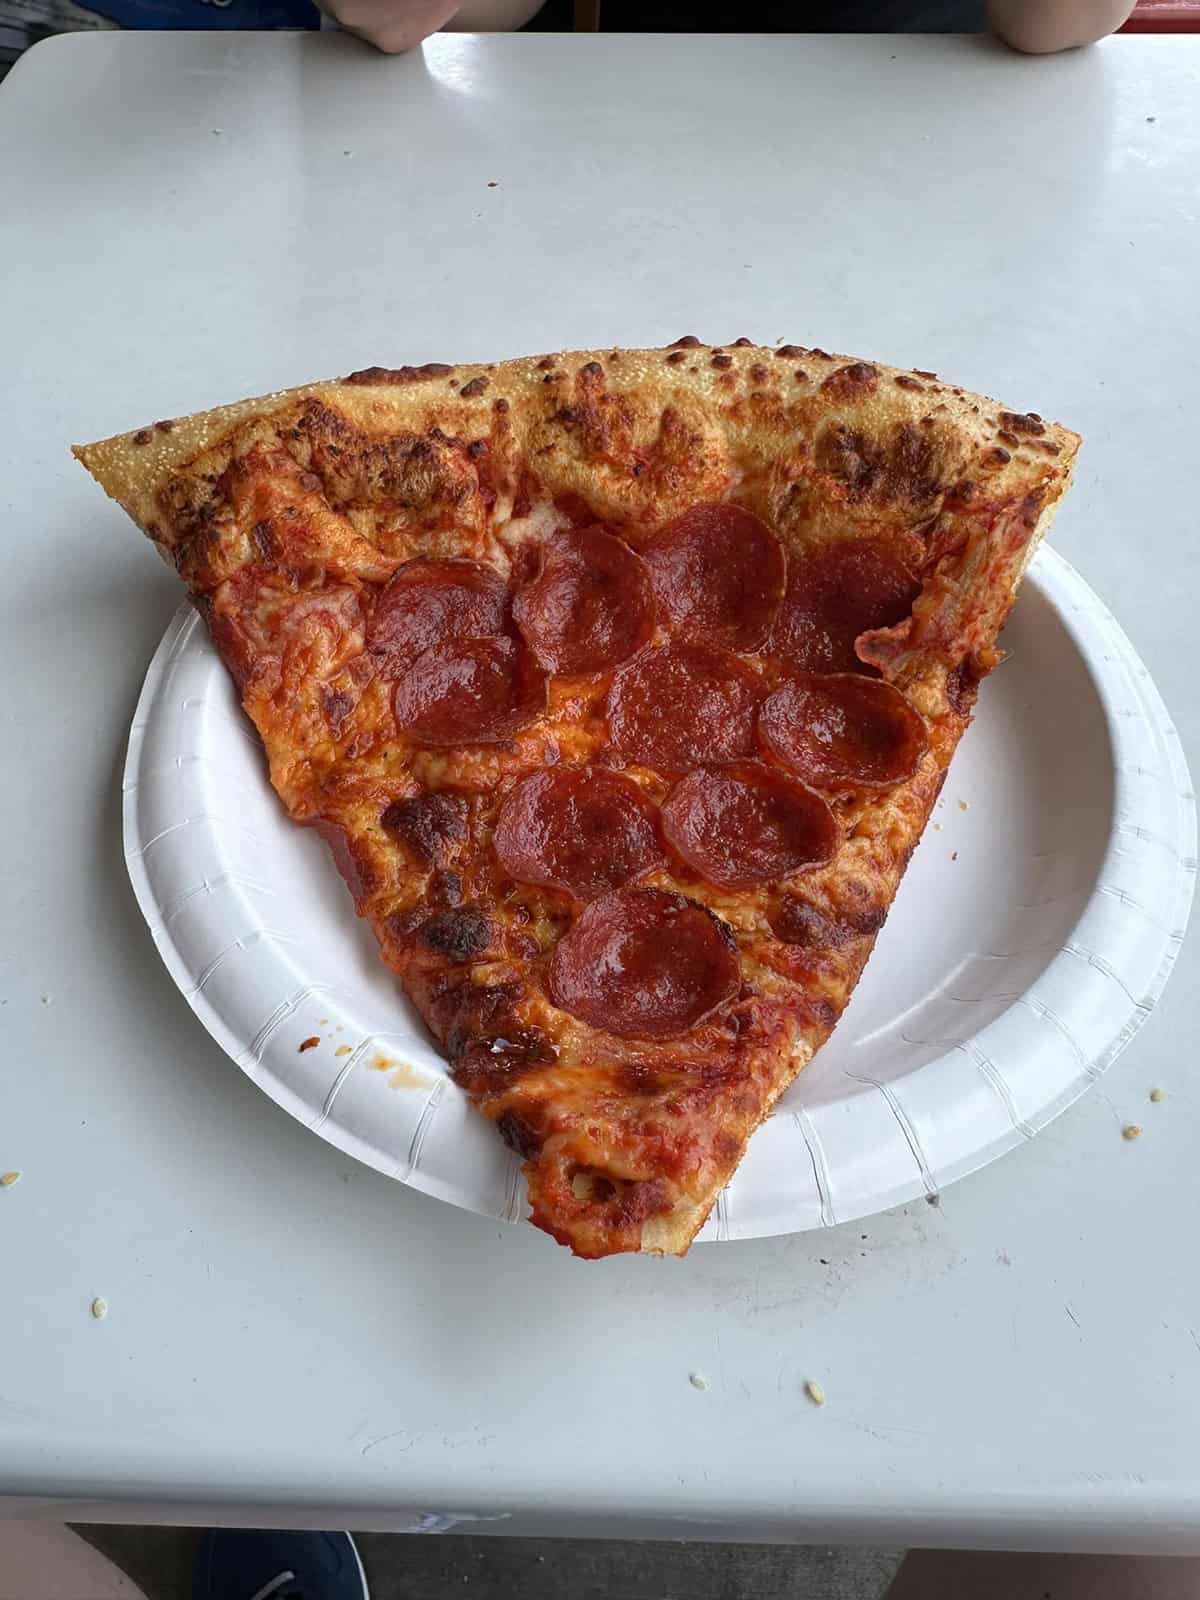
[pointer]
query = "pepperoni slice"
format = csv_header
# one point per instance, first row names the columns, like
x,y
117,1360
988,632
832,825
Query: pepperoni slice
x,y
843,732
469,691
743,825
591,605
428,603
719,575
644,964
682,705
834,594
583,829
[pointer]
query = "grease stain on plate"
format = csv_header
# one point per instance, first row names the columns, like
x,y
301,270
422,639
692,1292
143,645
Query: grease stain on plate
x,y
401,1074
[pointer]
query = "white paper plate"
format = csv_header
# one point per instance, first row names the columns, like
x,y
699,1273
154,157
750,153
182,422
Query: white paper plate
x,y
1032,936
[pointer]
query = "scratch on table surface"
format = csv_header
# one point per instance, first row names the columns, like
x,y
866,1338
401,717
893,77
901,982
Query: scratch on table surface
x,y
886,1432
1195,1340
398,1433
1073,1317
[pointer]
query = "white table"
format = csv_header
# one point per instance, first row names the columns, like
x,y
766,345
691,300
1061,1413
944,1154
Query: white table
x,y
185,219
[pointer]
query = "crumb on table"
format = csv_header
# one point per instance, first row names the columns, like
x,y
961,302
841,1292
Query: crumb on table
x,y
1131,1131
815,1392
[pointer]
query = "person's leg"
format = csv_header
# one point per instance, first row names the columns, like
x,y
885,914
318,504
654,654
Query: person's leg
x,y
45,1561
992,1575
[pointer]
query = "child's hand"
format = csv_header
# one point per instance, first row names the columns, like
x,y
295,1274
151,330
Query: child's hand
x,y
392,25
395,25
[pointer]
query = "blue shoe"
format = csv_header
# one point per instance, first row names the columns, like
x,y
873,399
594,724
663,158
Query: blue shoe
x,y
277,1564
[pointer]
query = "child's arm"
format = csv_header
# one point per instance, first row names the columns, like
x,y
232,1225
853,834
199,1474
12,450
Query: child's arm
x,y
1041,26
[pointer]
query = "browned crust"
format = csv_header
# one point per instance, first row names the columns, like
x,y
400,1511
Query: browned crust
x,y
759,399
822,446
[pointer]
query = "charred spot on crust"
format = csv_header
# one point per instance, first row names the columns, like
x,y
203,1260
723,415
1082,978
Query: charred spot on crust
x,y
743,344
759,373
1031,508
143,436
788,352
640,1200
487,1044
900,469
519,1135
265,542
903,381
191,505
467,1012
413,470
429,826
675,358
1022,422
165,426
921,373
337,704
996,457
726,1146
459,934
489,1065
823,1013
688,342
477,386
852,382
445,889
400,926
962,685
799,923
627,1202
397,375
721,361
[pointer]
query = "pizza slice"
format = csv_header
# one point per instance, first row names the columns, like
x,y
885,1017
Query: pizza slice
x,y
621,684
